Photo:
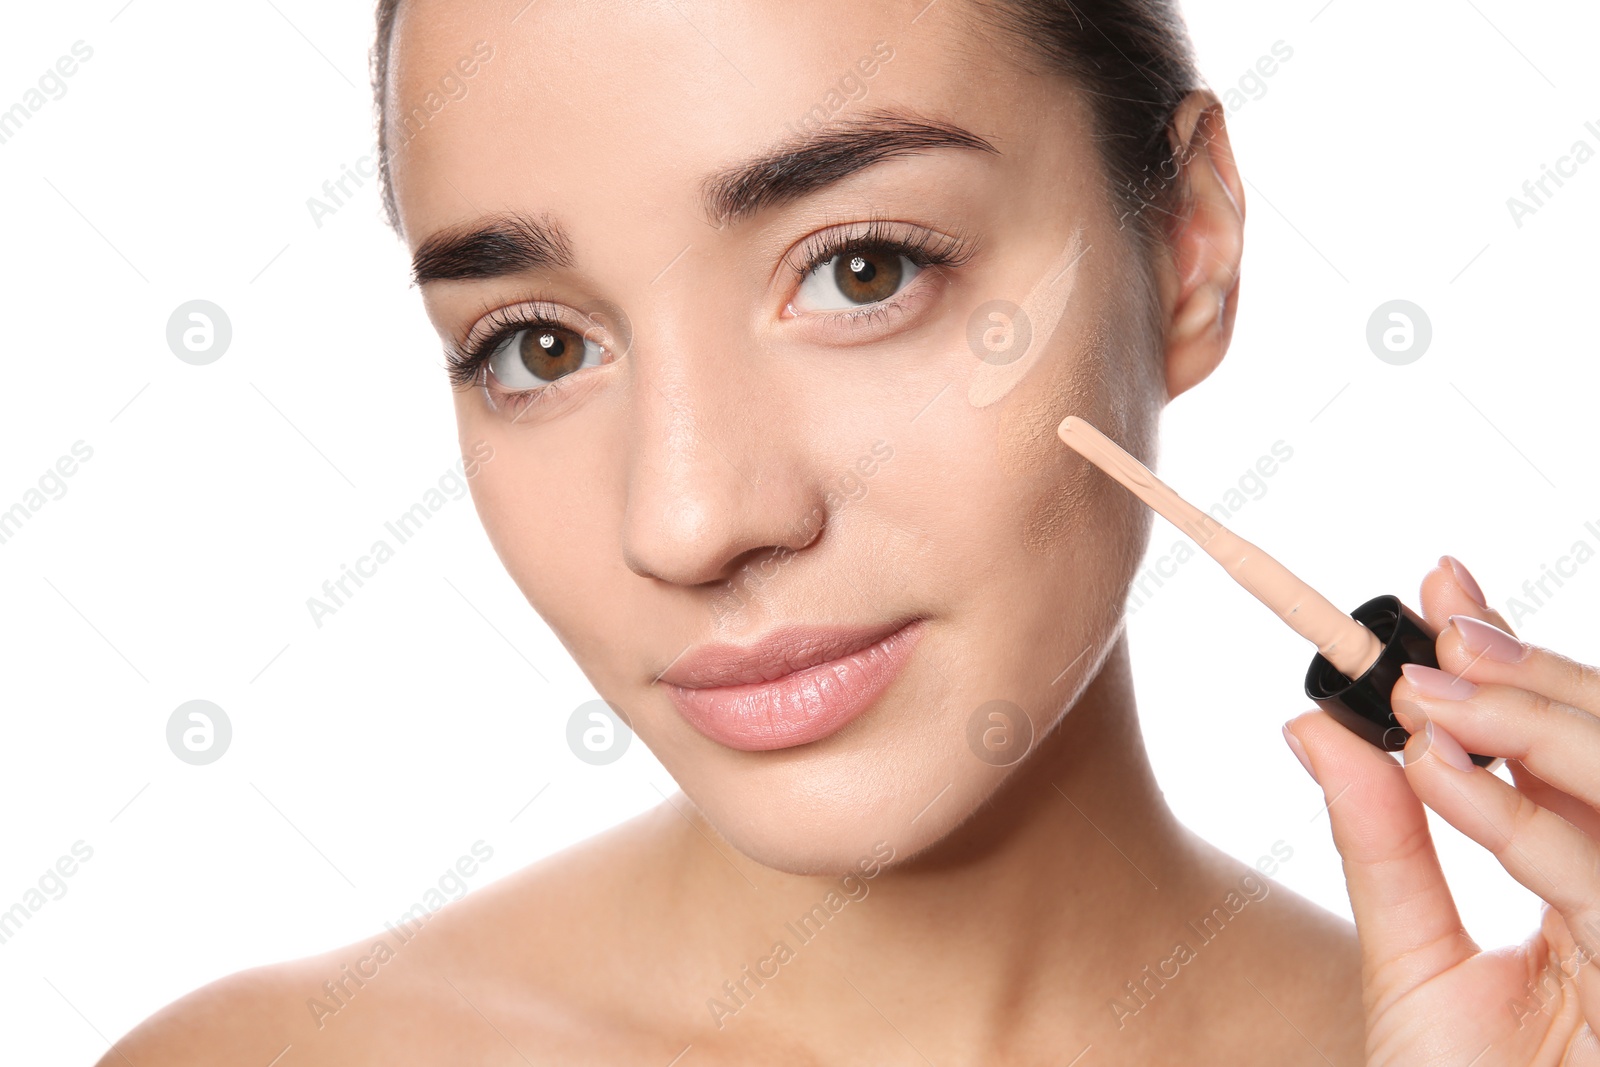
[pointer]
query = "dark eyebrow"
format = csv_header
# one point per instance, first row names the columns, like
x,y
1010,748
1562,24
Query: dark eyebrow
x,y
507,243
511,243
808,162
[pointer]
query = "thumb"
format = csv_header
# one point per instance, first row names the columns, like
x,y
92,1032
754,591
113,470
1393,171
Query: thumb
x,y
1409,928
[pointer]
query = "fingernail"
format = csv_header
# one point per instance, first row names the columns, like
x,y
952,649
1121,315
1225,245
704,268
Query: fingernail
x,y
1299,751
1464,579
1408,715
1438,741
1432,682
1483,639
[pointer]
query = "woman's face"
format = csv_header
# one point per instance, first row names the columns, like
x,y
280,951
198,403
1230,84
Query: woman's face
x,y
731,448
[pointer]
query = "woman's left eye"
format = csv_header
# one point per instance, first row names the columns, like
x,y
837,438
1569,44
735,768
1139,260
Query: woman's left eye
x,y
855,278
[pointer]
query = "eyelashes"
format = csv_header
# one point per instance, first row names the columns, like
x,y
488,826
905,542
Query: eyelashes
x,y
534,341
480,358
466,361
922,247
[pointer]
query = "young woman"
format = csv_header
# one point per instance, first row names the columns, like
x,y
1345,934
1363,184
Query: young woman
x,y
762,317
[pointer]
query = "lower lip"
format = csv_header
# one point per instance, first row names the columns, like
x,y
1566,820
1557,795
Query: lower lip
x,y
801,707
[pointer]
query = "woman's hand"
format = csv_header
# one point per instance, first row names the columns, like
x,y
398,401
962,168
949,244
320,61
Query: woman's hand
x,y
1432,996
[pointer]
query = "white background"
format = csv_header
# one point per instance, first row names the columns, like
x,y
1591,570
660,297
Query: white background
x,y
370,754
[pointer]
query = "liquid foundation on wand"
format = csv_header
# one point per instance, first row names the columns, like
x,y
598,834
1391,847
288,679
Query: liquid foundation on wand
x,y
1359,655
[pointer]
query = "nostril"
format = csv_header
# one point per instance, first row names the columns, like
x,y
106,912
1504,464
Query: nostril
x,y
741,541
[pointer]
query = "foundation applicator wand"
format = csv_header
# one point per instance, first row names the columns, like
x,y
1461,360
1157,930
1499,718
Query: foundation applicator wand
x,y
1358,656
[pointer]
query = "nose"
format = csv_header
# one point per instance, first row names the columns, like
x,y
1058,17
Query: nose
x,y
716,471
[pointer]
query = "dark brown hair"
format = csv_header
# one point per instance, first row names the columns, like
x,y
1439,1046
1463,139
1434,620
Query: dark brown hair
x,y
1134,62
1132,58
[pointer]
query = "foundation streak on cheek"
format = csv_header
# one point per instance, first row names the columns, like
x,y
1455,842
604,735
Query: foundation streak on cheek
x,y
1041,310
1027,445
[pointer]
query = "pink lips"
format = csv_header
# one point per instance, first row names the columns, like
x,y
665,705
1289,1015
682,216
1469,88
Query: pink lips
x,y
796,685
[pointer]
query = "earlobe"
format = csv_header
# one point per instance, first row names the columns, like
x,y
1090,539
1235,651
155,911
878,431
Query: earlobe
x,y
1206,238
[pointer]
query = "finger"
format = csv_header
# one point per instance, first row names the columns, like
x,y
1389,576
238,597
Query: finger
x,y
1570,925
1537,847
1450,589
1476,650
1563,960
1559,743
1410,929
1546,795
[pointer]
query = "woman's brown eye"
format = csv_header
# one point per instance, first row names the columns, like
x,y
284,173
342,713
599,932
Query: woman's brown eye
x,y
537,355
551,351
855,278
868,277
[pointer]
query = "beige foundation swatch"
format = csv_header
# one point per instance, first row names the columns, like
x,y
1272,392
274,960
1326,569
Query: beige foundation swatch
x,y
1041,310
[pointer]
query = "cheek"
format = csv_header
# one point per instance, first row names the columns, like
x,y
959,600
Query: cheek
x,y
1060,486
524,537
1051,516
539,506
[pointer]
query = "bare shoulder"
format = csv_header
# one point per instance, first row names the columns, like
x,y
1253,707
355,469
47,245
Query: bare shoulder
x,y
1306,967
508,973
244,1017
1288,969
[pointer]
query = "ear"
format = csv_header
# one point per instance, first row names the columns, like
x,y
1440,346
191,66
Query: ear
x,y
1199,280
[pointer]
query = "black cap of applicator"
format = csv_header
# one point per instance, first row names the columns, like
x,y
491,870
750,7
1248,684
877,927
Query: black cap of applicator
x,y
1362,705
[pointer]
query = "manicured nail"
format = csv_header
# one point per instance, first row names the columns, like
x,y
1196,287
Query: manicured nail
x,y
1441,744
1411,717
1464,579
1299,751
1432,682
1483,639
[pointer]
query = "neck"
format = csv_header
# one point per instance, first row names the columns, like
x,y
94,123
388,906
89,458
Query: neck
x,y
1073,878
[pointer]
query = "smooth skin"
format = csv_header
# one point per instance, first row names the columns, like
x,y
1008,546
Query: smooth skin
x,y
1432,996
1019,902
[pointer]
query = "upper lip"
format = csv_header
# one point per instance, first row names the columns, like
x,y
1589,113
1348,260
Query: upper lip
x,y
780,652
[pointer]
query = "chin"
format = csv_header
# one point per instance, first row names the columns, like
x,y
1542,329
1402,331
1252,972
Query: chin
x,y
889,786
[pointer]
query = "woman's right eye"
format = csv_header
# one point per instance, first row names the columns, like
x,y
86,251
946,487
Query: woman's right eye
x,y
537,354
856,278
